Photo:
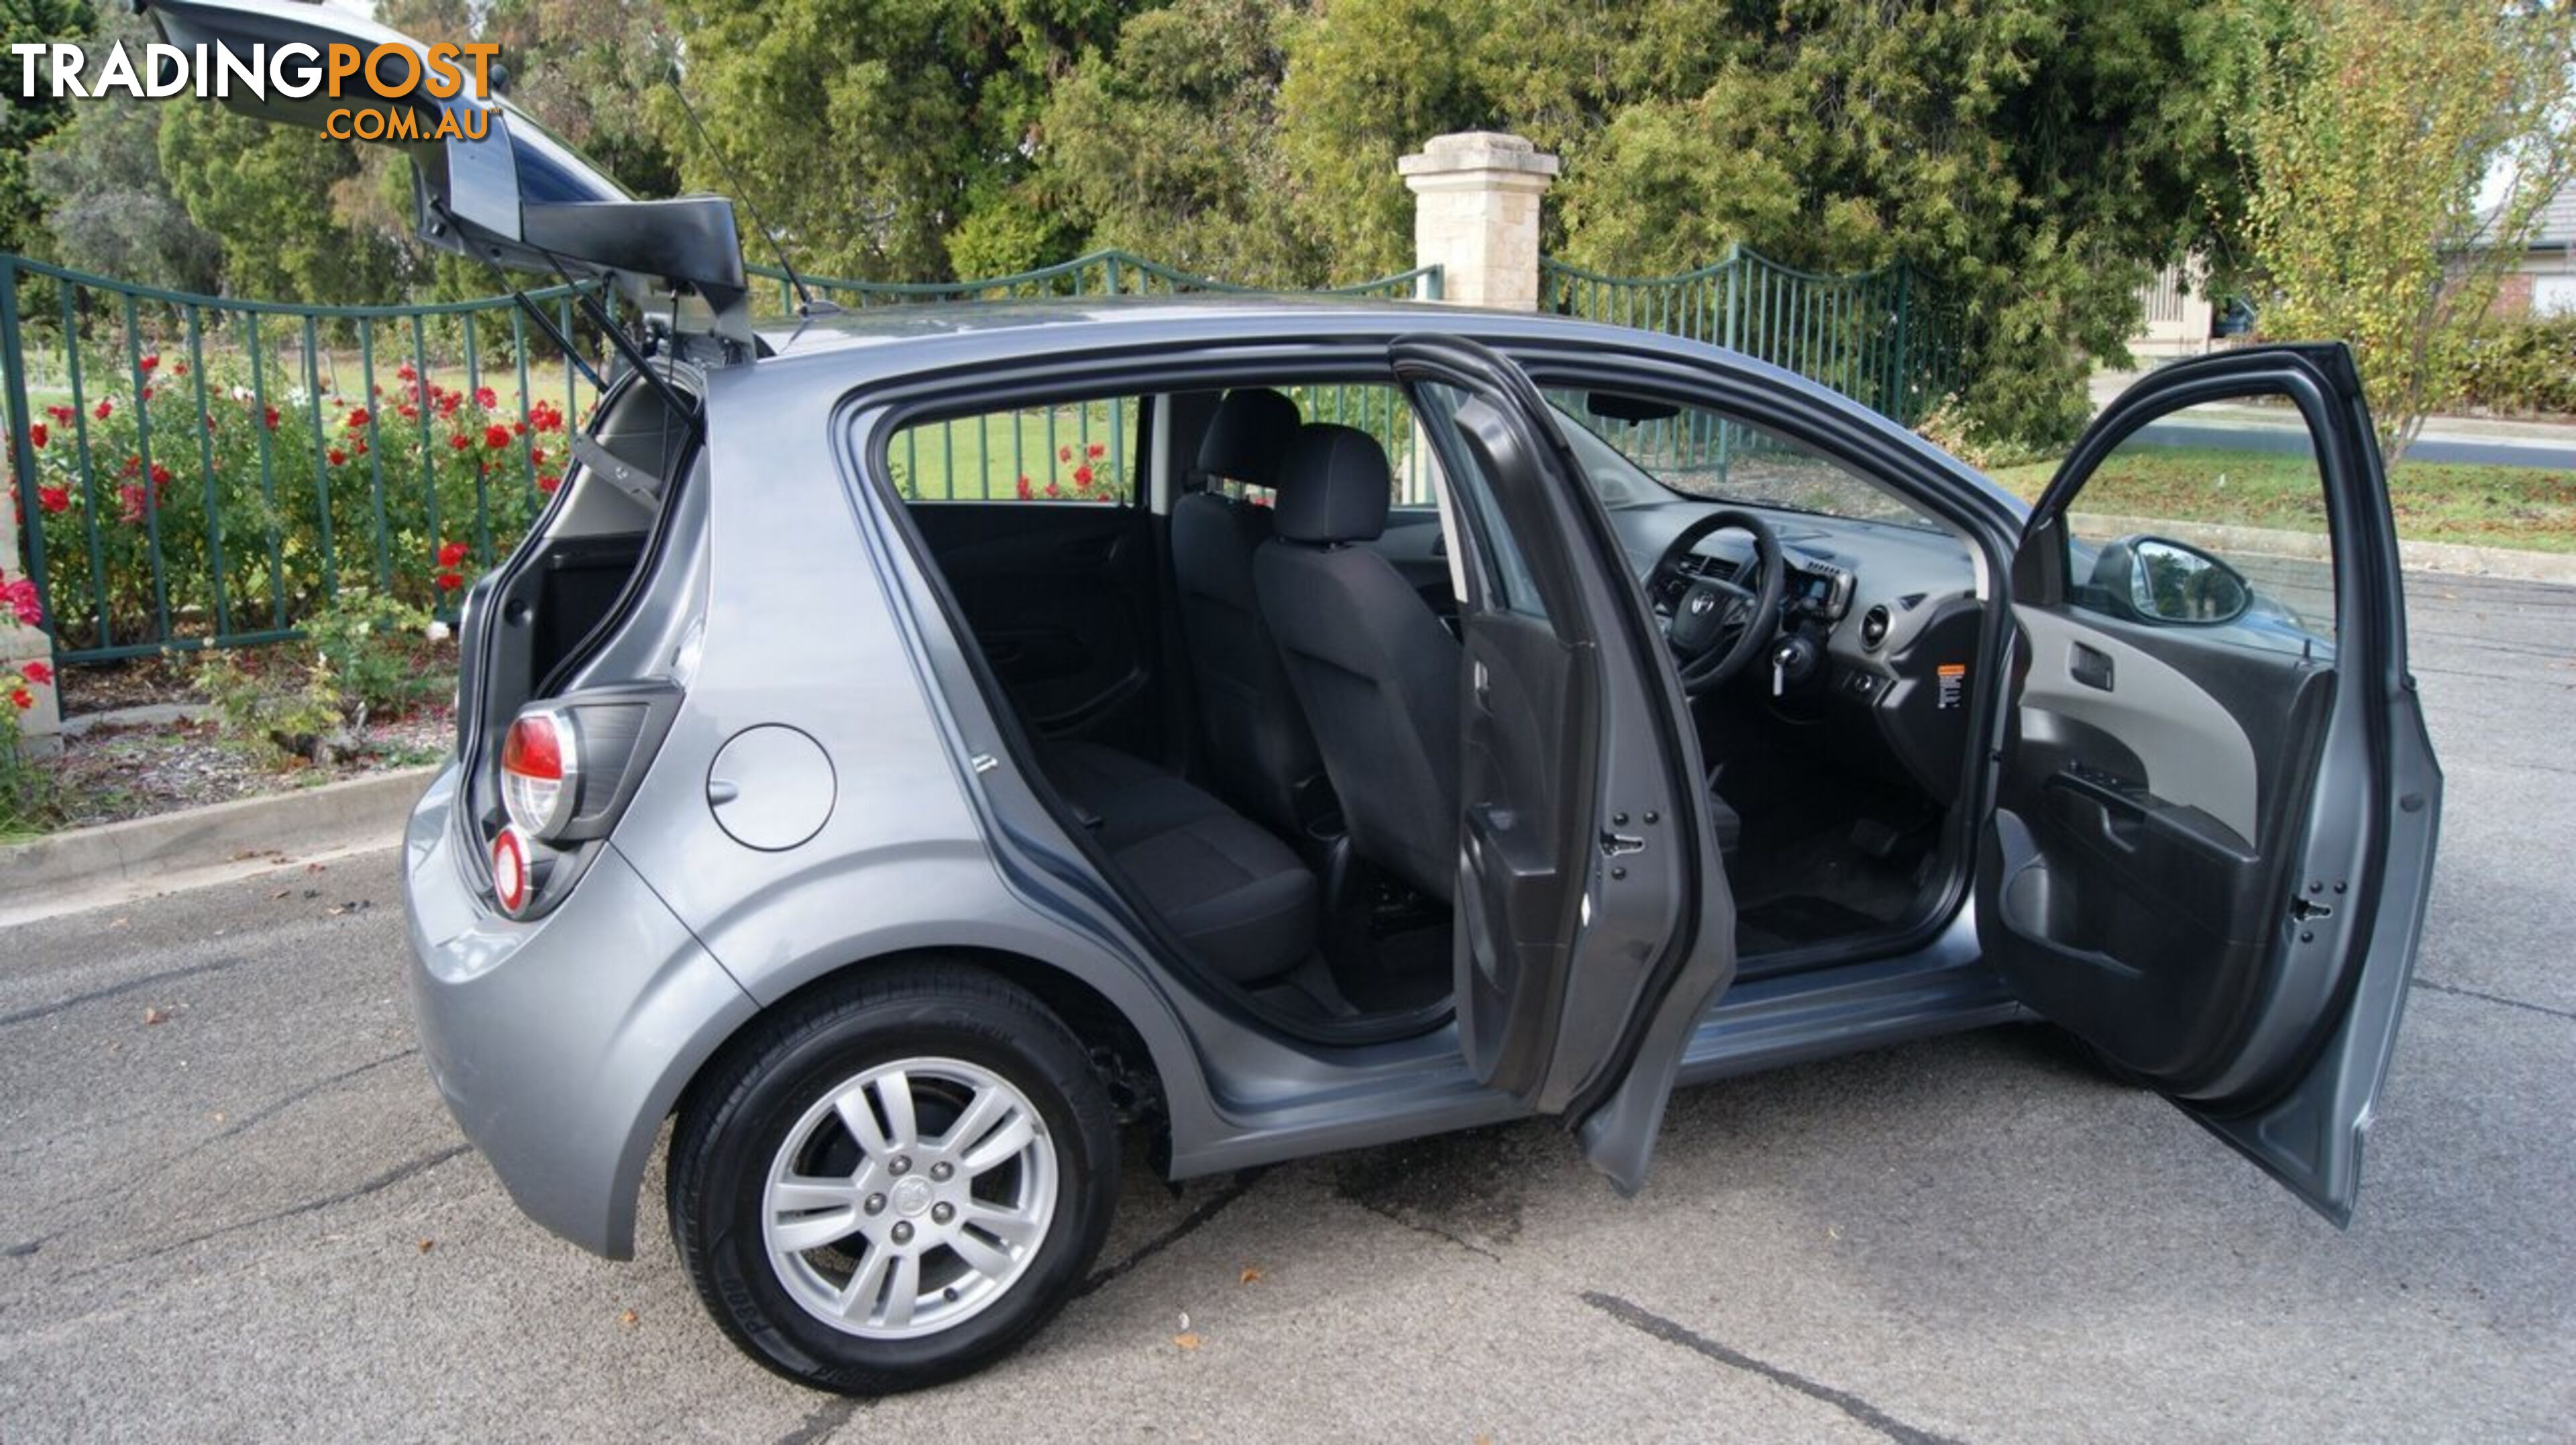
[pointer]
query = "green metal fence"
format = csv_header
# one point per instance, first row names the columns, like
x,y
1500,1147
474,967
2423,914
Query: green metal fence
x,y
1875,336
203,471
200,470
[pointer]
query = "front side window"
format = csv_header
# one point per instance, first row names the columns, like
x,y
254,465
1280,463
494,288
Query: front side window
x,y
2266,582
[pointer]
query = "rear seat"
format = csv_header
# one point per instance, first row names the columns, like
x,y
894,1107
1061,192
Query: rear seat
x,y
1234,893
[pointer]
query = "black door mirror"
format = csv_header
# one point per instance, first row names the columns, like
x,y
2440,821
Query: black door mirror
x,y
2157,579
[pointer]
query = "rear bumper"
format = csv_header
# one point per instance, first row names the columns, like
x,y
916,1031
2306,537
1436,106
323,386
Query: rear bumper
x,y
561,1044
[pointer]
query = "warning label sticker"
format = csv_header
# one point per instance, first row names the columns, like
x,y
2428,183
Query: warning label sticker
x,y
1953,684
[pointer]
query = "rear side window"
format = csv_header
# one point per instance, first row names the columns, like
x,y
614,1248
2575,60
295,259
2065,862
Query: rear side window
x,y
1074,452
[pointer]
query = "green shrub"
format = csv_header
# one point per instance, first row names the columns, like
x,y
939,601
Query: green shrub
x,y
2523,367
360,658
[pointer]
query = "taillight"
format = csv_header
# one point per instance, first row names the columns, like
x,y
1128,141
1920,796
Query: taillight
x,y
541,773
513,870
568,767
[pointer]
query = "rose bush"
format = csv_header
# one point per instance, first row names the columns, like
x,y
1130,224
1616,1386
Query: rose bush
x,y
263,500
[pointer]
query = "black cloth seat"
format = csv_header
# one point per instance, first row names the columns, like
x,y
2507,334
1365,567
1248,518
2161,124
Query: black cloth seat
x,y
1377,671
1255,747
1233,892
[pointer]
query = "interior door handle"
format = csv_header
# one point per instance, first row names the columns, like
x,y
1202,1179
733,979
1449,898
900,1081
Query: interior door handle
x,y
2090,666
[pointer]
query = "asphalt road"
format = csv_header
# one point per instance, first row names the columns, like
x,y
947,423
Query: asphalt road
x,y
252,1220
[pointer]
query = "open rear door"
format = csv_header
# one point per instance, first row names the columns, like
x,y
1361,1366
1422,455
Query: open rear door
x,y
2215,819
1594,923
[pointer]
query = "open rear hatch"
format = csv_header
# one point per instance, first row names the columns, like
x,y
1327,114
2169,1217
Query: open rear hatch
x,y
487,180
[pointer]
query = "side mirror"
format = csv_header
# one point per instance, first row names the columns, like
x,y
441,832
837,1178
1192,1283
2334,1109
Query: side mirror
x,y
2162,580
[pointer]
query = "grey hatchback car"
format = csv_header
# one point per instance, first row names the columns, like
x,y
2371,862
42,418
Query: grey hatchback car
x,y
922,755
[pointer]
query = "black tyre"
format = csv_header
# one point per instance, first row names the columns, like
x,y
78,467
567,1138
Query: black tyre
x,y
896,1182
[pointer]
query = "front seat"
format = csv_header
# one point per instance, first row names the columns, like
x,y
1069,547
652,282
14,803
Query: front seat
x,y
1374,667
1255,743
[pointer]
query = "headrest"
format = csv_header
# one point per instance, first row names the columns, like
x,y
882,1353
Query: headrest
x,y
1246,436
1333,485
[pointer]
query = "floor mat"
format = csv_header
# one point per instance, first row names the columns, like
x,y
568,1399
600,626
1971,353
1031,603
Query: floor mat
x,y
1407,970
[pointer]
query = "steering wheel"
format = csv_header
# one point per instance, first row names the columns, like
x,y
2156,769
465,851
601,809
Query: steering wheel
x,y
1717,628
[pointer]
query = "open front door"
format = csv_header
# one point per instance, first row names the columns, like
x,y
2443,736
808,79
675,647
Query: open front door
x,y
1594,923
2214,824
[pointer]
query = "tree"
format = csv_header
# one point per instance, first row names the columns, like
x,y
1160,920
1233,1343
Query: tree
x,y
2365,130
2032,160
100,199
266,189
867,131
28,119
1169,146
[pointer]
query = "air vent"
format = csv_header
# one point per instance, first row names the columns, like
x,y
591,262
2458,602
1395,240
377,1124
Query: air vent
x,y
1873,626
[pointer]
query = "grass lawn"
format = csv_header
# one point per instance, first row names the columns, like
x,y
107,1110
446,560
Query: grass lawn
x,y
2493,506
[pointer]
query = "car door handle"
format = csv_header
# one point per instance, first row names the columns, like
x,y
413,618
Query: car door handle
x,y
2090,666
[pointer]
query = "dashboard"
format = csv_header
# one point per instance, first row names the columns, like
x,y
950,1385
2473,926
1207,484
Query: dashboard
x,y
1884,619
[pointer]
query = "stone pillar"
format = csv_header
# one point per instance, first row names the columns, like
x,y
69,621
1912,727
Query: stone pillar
x,y
39,727
1475,215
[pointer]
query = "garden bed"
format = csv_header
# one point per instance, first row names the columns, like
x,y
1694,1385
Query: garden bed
x,y
111,773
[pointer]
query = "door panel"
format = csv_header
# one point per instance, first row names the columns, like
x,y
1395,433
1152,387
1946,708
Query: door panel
x,y
1061,599
2209,803
1595,923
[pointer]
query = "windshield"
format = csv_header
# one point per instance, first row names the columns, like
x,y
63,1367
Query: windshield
x,y
1648,452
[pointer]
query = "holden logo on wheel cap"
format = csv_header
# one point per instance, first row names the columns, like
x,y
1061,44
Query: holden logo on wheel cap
x,y
912,1196
1701,603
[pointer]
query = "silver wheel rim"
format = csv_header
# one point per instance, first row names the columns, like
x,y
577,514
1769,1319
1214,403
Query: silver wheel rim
x,y
909,1198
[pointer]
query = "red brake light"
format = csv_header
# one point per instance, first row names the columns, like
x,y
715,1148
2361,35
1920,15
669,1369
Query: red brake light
x,y
540,773
510,870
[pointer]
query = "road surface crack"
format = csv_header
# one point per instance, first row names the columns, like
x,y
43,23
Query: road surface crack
x,y
1671,1333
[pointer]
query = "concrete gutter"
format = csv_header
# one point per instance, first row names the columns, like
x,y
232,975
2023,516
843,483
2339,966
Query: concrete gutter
x,y
116,862
2509,563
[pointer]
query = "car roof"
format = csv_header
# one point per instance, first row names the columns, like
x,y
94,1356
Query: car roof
x,y
918,320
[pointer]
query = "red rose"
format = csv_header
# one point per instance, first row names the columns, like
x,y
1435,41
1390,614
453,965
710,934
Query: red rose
x,y
36,432
1064,454
21,597
160,475
449,581
1054,491
54,499
548,481
178,368
458,442
338,457
406,373
407,411
62,415
357,417
150,363
147,393
132,500
103,410
1026,491
1099,450
486,398
1082,476
496,437
537,455
22,698
451,553
133,466
518,428
272,418
37,672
